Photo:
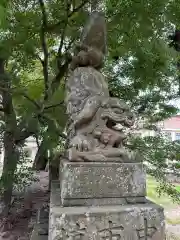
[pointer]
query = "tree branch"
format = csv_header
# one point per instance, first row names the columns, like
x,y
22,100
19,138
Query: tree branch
x,y
2,109
62,67
21,92
64,29
59,76
44,48
31,100
41,61
53,106
52,27
4,89
69,44
37,141
25,129
44,119
24,135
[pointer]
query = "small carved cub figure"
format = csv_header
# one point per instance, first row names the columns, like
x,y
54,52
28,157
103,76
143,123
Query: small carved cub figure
x,y
87,56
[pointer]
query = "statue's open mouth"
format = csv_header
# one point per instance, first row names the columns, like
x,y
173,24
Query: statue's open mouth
x,y
115,126
117,122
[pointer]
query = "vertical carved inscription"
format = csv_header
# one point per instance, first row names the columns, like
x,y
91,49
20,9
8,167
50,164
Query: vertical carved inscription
x,y
77,233
111,233
147,232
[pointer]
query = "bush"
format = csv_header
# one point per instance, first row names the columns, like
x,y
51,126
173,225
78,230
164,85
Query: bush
x,y
160,155
171,236
24,174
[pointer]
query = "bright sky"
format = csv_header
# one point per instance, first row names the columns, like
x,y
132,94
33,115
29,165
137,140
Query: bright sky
x,y
175,103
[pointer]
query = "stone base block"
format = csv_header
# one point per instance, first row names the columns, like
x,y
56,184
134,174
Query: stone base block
x,y
56,199
132,222
102,201
100,181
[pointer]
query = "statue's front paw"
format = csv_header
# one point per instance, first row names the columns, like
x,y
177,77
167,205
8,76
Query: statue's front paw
x,y
80,143
102,136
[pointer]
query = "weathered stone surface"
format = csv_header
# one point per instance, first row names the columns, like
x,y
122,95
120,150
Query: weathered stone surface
x,y
40,230
94,33
94,115
56,199
102,201
134,222
101,180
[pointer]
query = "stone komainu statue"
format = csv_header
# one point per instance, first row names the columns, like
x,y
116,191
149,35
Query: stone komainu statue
x,y
93,114
104,196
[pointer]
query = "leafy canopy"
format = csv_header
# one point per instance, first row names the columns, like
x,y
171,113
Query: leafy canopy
x,y
38,37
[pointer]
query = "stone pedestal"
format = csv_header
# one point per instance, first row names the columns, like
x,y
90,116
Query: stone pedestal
x,y
101,183
132,222
103,201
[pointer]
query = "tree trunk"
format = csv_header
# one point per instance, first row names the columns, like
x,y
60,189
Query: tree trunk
x,y
11,157
41,157
94,5
11,153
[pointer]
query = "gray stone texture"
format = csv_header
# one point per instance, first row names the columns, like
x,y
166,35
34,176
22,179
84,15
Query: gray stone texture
x,y
102,201
101,180
40,228
56,199
133,222
93,115
102,188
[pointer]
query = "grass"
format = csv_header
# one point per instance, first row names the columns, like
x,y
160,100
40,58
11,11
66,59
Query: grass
x,y
171,236
164,200
173,221
178,188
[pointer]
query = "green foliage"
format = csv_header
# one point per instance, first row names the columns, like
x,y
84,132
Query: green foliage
x,y
3,12
163,200
178,188
161,157
24,174
140,66
172,236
